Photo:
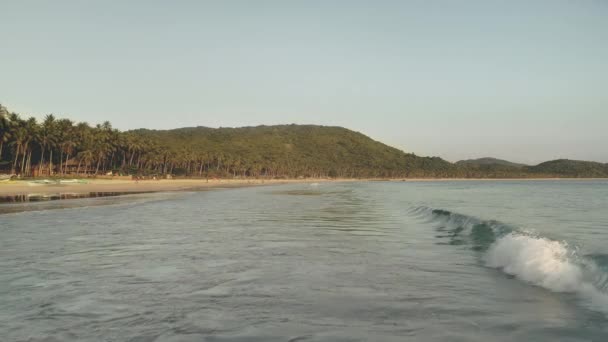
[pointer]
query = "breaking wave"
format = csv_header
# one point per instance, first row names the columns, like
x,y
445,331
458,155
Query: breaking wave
x,y
537,260
551,264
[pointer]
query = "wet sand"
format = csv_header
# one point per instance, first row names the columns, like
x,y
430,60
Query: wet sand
x,y
15,188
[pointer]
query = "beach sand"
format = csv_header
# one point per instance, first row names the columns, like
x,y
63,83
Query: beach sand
x,y
18,187
15,188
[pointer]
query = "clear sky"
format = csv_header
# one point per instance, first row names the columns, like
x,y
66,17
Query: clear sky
x,y
521,80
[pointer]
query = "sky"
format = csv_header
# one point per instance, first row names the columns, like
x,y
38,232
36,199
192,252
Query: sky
x,y
522,80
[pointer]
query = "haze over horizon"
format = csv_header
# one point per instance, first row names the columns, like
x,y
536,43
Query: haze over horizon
x,y
513,80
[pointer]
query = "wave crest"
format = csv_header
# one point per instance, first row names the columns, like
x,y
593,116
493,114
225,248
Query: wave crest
x,y
536,260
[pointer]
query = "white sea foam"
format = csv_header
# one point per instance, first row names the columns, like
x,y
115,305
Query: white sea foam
x,y
543,262
536,260
549,264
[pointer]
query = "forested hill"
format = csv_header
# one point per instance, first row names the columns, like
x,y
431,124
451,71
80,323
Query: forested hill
x,y
570,168
488,161
555,168
60,147
291,151
321,151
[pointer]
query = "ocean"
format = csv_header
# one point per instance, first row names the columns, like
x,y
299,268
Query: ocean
x,y
359,261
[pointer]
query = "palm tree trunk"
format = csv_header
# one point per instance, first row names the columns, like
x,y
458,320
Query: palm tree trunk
x,y
41,161
29,164
51,162
67,159
61,162
17,150
23,159
1,146
78,169
28,169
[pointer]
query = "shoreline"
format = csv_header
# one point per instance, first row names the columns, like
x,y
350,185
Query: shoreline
x,y
493,179
22,187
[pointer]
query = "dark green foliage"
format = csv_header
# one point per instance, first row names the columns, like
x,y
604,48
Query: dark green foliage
x,y
488,161
491,168
570,168
59,146
295,151
491,171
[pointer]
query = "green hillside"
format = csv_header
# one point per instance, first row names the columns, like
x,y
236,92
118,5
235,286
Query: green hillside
x,y
62,147
570,168
488,161
292,151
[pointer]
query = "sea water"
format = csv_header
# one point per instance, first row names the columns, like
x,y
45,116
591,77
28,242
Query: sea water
x,y
375,261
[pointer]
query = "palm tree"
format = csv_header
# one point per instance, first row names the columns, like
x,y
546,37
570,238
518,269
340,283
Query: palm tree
x,y
133,146
68,147
87,157
19,135
83,134
64,143
5,126
31,129
47,139
102,143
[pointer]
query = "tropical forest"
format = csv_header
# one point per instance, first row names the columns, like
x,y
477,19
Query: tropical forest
x,y
57,147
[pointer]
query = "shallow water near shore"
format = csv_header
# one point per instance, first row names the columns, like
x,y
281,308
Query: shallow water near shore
x,y
35,197
378,261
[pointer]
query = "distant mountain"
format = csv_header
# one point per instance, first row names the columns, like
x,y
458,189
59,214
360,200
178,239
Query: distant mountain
x,y
570,168
497,168
489,161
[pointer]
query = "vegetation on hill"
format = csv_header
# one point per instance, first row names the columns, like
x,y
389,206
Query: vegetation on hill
x,y
570,168
488,161
60,147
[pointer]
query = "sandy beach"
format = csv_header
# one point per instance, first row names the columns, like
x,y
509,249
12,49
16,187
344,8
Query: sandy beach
x,y
23,187
15,188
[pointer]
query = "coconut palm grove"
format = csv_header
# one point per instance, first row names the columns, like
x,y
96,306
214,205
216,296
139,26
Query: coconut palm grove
x,y
61,147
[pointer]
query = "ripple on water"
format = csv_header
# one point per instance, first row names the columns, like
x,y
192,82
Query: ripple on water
x,y
336,262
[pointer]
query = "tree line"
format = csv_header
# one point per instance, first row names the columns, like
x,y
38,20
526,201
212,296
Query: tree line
x,y
58,146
